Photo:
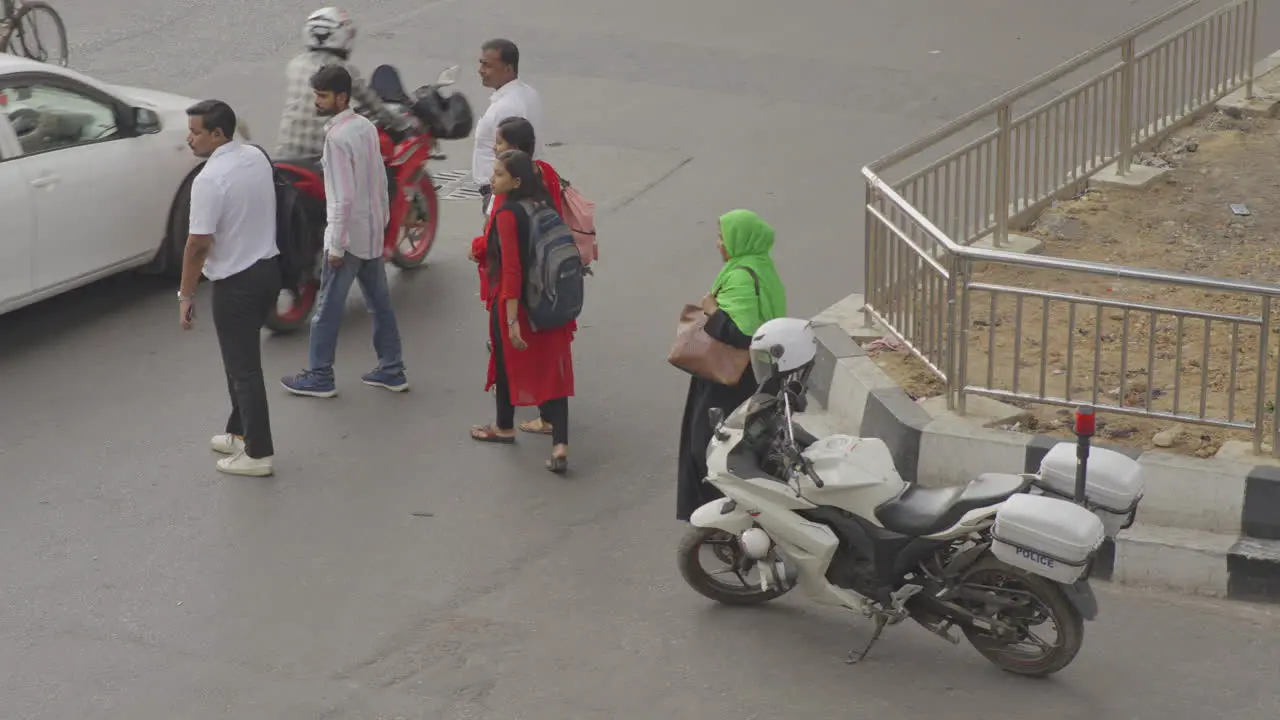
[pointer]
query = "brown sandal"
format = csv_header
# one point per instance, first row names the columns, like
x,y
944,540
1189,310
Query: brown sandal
x,y
489,434
537,427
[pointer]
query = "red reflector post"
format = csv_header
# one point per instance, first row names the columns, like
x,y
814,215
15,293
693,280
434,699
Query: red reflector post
x,y
1086,420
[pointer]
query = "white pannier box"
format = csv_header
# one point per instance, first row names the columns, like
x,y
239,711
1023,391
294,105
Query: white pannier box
x,y
1046,536
1113,486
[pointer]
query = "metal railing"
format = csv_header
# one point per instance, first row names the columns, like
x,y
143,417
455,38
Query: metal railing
x,y
920,264
1027,159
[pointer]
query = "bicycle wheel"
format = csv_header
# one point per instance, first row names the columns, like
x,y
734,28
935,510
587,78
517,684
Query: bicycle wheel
x,y
29,40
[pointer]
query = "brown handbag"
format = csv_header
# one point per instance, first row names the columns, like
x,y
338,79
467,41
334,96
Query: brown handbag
x,y
703,356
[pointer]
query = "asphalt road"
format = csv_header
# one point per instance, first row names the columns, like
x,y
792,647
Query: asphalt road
x,y
393,568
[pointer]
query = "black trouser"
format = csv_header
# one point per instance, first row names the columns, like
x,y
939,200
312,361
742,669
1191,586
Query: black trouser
x,y
553,412
240,306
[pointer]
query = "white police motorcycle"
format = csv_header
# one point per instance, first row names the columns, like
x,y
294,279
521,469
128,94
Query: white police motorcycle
x,y
1006,558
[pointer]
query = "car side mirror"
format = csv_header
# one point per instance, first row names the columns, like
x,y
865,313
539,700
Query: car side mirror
x,y
145,122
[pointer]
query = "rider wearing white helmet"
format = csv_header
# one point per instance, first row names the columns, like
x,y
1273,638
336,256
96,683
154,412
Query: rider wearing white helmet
x,y
329,35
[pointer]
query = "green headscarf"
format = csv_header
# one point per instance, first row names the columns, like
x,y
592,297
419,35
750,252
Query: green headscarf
x,y
748,239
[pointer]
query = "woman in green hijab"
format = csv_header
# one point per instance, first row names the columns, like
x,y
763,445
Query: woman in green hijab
x,y
746,294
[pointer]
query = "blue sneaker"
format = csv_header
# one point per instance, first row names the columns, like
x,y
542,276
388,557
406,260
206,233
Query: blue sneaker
x,y
310,384
395,382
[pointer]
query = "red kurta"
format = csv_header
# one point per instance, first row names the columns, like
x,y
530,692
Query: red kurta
x,y
544,370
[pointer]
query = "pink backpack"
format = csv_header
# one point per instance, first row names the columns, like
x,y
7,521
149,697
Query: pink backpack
x,y
580,216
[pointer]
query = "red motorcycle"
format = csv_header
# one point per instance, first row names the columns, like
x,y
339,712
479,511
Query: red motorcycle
x,y
411,230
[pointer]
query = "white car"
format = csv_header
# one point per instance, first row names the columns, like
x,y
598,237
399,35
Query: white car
x,y
93,180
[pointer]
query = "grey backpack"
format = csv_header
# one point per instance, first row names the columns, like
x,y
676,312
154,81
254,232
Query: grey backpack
x,y
553,291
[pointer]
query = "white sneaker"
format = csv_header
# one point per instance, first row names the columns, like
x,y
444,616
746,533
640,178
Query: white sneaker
x,y
241,464
227,444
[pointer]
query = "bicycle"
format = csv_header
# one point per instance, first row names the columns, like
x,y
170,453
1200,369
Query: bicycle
x,y
19,34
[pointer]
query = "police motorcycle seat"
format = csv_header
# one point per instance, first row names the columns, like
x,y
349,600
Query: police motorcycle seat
x,y
925,511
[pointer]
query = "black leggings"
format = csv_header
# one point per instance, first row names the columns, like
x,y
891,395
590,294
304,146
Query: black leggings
x,y
553,412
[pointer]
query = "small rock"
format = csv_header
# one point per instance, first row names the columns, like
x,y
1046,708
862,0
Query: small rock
x,y
1066,228
1166,438
1121,432
1191,146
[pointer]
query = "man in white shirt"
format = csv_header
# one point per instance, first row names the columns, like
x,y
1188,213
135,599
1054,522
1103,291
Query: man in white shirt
x,y
512,97
358,208
232,239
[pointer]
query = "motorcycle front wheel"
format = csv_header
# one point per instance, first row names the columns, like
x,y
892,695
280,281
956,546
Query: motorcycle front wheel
x,y
1028,603
733,584
417,234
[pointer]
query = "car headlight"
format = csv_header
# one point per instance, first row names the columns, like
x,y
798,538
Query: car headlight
x,y
242,128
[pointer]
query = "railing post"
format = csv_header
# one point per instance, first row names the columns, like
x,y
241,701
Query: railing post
x,y
949,348
1253,38
1126,107
1260,411
868,258
1004,118
960,277
1275,413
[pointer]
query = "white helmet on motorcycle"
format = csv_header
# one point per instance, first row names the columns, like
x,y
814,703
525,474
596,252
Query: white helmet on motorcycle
x,y
781,346
331,29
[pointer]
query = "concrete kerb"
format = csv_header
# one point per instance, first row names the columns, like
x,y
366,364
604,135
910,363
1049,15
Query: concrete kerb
x,y
1209,527
1265,101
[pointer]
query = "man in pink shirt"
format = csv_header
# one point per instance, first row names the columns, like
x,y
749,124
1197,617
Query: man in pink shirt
x,y
355,185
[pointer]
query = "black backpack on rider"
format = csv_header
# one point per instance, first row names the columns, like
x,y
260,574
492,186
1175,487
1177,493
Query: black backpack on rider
x,y
293,231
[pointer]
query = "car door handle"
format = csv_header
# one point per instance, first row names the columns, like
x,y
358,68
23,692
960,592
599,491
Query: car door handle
x,y
45,181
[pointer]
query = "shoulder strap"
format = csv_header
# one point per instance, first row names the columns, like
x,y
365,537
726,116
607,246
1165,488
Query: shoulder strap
x,y
756,279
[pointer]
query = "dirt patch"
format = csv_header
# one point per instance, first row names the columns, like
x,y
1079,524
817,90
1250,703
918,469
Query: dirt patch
x,y
1134,358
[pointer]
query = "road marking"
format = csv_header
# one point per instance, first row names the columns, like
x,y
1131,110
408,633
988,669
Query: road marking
x,y
455,185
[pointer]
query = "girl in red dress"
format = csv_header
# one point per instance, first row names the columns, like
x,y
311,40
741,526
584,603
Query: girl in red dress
x,y
526,368
516,133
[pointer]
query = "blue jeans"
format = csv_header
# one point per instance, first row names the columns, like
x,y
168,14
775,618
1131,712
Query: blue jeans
x,y
335,284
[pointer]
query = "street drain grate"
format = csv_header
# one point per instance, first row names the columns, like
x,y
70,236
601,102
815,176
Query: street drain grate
x,y
455,185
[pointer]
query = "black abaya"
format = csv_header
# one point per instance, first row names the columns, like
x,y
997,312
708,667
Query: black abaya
x,y
695,429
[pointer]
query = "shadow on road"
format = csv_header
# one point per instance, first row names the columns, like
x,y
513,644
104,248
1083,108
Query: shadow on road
x,y
50,320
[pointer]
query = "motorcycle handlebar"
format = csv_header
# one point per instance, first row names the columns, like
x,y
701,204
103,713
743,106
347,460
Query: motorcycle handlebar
x,y
811,472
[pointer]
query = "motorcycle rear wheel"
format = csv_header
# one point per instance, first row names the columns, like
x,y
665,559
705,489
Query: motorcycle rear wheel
x,y
725,547
1047,601
295,312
